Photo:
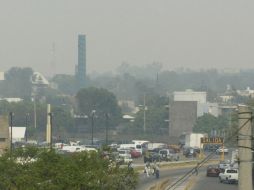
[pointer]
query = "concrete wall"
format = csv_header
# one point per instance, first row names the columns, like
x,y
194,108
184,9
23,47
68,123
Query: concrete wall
x,y
182,116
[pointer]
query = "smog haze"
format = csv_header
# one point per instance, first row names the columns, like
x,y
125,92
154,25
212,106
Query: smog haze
x,y
193,34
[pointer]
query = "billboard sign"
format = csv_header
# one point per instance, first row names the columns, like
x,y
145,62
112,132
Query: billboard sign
x,y
211,140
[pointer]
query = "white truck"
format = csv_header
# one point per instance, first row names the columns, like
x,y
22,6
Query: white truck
x,y
152,146
229,175
194,139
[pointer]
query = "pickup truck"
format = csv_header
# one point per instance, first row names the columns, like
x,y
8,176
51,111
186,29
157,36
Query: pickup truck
x,y
229,176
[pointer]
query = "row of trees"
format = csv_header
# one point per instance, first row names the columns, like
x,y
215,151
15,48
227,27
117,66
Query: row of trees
x,y
34,169
128,86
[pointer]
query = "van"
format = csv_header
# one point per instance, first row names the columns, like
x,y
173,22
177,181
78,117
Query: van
x,y
141,145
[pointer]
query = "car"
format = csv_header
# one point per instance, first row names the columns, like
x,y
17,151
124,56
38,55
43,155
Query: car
x,y
224,165
135,154
220,150
212,171
191,152
124,152
168,155
229,175
127,159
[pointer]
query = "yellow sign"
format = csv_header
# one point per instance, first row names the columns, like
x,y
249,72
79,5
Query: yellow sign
x,y
212,140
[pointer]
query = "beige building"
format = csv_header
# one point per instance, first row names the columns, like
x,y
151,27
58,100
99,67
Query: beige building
x,y
4,134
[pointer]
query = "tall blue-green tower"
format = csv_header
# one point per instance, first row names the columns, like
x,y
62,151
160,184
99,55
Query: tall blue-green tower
x,y
81,67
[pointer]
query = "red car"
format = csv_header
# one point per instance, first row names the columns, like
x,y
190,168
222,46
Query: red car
x,y
135,154
212,171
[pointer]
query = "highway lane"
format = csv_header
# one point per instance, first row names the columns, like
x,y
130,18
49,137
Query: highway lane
x,y
172,174
211,183
166,173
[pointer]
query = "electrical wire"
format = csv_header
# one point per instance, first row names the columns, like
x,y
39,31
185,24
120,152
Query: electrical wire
x,y
208,157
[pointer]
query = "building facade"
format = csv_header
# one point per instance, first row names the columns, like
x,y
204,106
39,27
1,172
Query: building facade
x,y
4,134
182,117
81,67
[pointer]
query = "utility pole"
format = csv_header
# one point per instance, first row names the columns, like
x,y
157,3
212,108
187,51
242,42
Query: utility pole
x,y
244,145
11,117
27,118
92,123
106,117
144,113
35,113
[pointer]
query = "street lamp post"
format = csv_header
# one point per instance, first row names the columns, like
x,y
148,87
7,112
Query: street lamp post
x,y
92,122
11,117
106,117
27,117
143,107
144,113
51,122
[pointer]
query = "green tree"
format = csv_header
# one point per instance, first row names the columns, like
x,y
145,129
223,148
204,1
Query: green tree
x,y
67,84
101,100
17,83
52,171
208,122
156,114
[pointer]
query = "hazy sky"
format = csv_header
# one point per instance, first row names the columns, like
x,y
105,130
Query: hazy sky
x,y
179,33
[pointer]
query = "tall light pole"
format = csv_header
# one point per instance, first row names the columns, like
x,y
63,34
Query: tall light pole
x,y
143,107
11,117
92,122
106,117
35,113
51,122
27,117
144,113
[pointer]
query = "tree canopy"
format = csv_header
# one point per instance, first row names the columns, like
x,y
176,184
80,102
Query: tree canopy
x,y
34,169
100,100
208,123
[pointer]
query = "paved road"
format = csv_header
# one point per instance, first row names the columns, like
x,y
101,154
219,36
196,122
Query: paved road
x,y
172,174
211,183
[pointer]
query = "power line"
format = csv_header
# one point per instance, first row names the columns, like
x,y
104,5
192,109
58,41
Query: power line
x,y
208,157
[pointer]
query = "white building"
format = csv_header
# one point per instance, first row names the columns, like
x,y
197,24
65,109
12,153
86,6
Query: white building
x,y
18,133
247,92
200,97
1,75
190,95
15,100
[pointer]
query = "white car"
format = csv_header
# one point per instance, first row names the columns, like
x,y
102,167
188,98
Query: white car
x,y
221,150
124,152
127,159
229,175
224,164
